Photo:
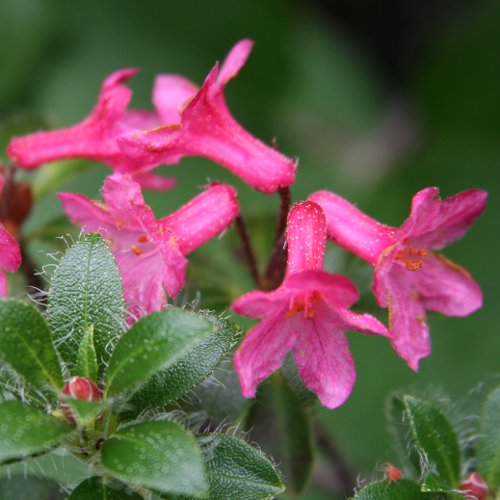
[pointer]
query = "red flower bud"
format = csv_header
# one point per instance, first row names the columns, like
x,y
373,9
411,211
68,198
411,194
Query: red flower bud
x,y
82,389
475,487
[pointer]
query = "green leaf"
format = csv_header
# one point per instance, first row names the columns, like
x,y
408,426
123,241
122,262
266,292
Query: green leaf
x,y
58,465
282,428
190,370
220,397
86,359
238,471
432,482
403,489
86,290
85,412
159,455
488,445
26,344
435,438
20,487
154,343
25,430
398,427
95,488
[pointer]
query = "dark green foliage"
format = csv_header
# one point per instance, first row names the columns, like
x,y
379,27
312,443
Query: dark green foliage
x,y
25,430
26,344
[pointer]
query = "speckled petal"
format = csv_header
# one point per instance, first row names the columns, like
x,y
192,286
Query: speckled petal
x,y
306,237
323,359
447,288
90,215
208,129
264,349
93,138
408,328
203,218
10,253
259,304
336,289
352,229
434,223
124,200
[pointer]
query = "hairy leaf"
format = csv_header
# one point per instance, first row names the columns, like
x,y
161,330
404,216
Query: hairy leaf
x,y
159,455
25,430
86,292
154,343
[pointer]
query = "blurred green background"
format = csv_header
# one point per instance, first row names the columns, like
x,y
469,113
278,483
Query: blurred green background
x,y
377,100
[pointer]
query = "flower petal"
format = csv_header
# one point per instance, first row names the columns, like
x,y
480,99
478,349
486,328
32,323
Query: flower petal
x,y
208,129
323,358
203,218
306,237
424,214
364,323
3,284
234,61
126,204
142,277
92,138
408,329
10,252
264,349
336,289
92,216
447,288
170,94
154,182
259,304
434,223
352,229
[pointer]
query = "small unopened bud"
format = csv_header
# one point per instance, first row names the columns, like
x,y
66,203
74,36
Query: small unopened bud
x,y
474,487
82,389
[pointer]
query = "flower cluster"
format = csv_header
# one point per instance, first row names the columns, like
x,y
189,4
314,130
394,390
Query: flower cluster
x,y
308,312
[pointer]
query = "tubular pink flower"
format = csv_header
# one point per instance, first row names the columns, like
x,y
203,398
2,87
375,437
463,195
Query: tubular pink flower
x,y
307,315
95,137
10,253
151,253
410,277
205,127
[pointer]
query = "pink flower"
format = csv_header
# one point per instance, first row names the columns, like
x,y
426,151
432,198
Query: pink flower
x,y
307,314
410,277
151,253
10,253
95,137
206,128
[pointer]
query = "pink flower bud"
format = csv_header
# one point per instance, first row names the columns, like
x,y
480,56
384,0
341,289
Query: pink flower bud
x,y
82,389
475,487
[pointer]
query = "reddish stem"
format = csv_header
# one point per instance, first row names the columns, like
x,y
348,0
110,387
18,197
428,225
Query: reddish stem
x,y
248,250
276,267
